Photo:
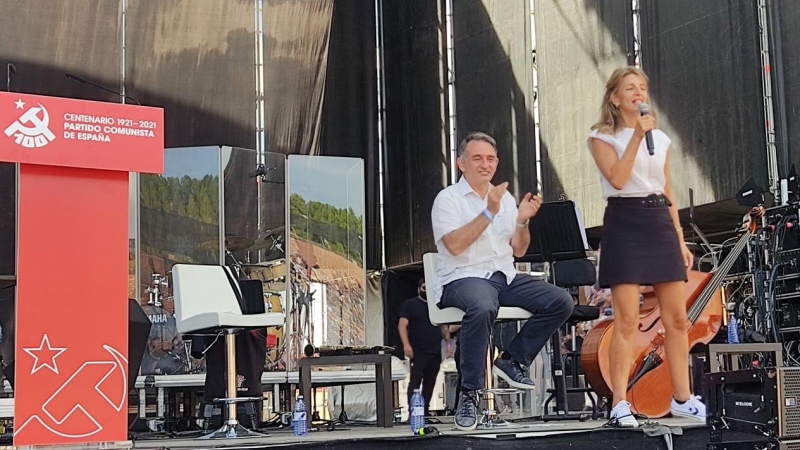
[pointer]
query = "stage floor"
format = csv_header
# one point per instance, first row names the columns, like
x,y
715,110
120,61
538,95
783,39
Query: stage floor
x,y
575,435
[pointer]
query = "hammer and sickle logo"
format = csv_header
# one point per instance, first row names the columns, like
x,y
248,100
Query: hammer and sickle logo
x,y
36,135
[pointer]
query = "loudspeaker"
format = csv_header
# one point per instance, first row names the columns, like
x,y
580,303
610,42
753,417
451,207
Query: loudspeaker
x,y
764,402
138,331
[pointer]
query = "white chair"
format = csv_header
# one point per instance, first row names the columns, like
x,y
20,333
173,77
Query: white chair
x,y
207,301
453,316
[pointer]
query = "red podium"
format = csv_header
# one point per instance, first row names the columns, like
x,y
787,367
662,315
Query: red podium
x,y
71,381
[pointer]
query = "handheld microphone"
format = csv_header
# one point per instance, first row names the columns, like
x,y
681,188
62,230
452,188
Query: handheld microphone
x,y
82,80
644,109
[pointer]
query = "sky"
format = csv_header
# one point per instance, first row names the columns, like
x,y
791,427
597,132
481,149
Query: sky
x,y
196,162
334,180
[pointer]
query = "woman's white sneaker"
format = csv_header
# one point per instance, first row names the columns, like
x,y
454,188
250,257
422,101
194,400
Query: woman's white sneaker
x,y
692,408
622,417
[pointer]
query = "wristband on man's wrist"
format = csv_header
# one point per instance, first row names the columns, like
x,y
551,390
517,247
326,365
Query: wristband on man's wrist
x,y
488,215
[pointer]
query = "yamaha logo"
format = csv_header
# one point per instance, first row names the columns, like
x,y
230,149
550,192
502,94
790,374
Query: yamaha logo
x,y
31,130
158,318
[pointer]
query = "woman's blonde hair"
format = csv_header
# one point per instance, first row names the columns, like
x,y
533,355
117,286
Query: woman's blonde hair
x,y
610,117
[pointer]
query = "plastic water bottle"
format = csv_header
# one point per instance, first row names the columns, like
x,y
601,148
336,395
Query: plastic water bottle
x,y
733,330
417,417
299,418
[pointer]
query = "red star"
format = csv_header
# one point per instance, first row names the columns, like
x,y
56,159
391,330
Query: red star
x,y
44,355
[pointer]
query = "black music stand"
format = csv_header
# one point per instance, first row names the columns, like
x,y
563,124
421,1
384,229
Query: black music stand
x,y
556,236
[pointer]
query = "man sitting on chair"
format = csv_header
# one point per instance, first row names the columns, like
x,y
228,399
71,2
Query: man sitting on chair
x,y
478,230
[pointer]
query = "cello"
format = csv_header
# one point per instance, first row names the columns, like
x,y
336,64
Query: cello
x,y
650,386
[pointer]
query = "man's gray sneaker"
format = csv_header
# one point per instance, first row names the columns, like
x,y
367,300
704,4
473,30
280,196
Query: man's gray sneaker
x,y
467,411
509,370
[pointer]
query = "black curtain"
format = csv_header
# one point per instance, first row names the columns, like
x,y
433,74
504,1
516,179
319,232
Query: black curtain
x,y
787,66
703,60
350,106
46,39
416,160
494,84
196,60
296,43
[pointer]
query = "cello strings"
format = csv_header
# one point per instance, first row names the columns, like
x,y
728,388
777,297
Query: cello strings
x,y
716,280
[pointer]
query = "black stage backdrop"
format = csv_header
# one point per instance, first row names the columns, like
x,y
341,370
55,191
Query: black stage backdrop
x,y
416,145
350,109
416,163
703,60
45,39
494,84
296,42
197,61
578,45
788,13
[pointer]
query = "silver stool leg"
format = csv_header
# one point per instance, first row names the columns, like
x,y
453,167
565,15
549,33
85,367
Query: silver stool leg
x,y
490,419
231,428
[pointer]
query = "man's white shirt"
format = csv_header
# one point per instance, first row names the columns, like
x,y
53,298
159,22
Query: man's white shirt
x,y
458,205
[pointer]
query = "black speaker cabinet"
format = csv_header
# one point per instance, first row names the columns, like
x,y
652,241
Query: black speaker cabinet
x,y
763,402
138,331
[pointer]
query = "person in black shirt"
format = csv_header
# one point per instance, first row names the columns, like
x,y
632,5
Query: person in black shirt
x,y
422,344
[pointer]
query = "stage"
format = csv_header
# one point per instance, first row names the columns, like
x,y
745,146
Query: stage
x,y
683,433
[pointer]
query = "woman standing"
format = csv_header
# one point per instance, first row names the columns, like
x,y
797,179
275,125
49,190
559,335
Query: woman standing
x,y
642,239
